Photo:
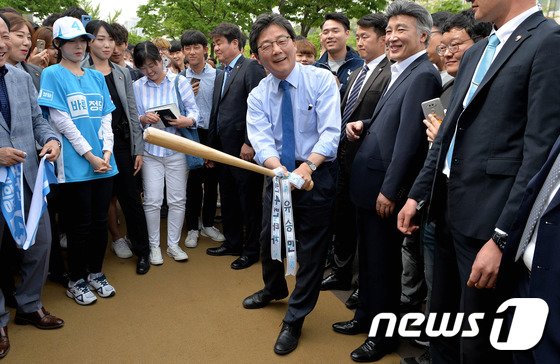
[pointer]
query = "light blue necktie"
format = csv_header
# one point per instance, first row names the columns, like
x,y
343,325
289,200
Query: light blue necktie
x,y
288,158
227,72
485,62
353,97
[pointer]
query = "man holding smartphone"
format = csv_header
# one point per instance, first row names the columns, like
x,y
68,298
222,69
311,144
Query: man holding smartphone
x,y
202,76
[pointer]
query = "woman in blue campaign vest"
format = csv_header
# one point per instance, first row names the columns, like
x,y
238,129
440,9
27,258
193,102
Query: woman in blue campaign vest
x,y
80,109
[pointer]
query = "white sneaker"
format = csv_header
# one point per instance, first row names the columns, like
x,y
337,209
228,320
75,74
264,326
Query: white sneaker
x,y
177,253
212,233
191,240
155,256
63,241
98,282
121,248
81,293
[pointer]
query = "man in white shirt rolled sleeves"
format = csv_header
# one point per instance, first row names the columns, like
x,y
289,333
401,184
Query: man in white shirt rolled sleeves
x,y
315,113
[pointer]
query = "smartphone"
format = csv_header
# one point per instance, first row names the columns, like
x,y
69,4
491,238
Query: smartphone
x,y
86,19
433,106
40,45
194,80
166,62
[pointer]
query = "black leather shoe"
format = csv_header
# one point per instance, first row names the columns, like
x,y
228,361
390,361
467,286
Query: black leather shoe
x,y
243,262
287,339
260,299
370,351
222,250
334,281
143,265
352,327
4,342
353,301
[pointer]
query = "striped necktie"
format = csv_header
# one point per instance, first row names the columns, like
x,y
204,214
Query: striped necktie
x,y
353,97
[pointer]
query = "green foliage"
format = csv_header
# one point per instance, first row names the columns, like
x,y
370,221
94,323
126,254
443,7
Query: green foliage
x,y
40,8
310,13
134,38
172,17
453,6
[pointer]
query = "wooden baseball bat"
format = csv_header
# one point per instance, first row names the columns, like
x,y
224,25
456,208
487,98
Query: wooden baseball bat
x,y
186,146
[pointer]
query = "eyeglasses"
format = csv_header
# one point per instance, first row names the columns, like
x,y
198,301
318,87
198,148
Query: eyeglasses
x,y
454,48
282,42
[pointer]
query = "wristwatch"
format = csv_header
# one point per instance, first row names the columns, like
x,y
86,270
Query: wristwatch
x,y
500,239
311,165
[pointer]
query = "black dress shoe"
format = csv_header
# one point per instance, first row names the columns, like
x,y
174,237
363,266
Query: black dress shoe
x,y
287,339
334,281
222,250
353,301
370,351
260,299
243,262
4,342
352,327
143,265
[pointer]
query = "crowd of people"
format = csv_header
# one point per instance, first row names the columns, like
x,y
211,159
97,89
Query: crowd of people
x,y
441,210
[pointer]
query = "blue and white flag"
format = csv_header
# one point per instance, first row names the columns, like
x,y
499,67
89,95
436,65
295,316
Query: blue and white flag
x,y
11,181
45,175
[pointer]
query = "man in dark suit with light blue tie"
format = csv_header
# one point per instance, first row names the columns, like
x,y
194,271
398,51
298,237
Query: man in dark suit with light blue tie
x,y
21,126
240,190
391,154
499,128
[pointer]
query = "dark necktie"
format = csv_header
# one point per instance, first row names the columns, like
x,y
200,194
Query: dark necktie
x,y
288,158
353,97
539,207
4,100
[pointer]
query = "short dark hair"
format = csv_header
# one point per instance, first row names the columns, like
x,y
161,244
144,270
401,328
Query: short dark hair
x,y
175,46
439,18
93,27
74,12
477,30
145,51
339,18
121,33
231,32
264,21
192,37
3,17
49,21
377,21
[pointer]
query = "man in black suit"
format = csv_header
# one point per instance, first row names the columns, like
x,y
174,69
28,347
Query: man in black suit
x,y
497,132
532,255
240,190
366,85
391,154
